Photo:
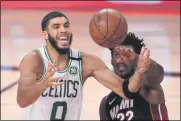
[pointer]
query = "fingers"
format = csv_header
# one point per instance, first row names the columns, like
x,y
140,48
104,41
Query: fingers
x,y
145,54
148,52
143,49
57,84
52,72
51,69
50,79
144,59
55,81
123,49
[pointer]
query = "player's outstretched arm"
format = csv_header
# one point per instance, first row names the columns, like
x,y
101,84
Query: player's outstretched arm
x,y
94,66
28,90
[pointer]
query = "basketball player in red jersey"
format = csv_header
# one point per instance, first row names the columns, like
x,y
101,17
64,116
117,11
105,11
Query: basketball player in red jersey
x,y
52,76
149,103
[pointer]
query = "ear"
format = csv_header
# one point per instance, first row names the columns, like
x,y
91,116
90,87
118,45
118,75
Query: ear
x,y
45,35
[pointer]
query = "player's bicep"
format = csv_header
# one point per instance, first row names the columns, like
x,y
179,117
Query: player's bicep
x,y
27,70
103,110
95,67
104,75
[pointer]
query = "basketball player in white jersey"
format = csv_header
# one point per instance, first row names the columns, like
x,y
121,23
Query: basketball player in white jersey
x,y
52,76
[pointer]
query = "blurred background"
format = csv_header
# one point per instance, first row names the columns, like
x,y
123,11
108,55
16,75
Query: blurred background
x,y
158,22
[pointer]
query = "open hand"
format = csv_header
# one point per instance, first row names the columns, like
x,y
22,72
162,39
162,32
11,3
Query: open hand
x,y
143,60
49,79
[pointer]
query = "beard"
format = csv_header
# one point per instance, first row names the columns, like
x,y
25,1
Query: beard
x,y
62,51
128,74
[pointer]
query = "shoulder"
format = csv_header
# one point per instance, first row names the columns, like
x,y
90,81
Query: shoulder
x,y
30,61
106,98
103,107
89,59
92,64
89,56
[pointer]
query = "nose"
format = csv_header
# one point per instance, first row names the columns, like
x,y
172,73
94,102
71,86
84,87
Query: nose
x,y
63,29
121,59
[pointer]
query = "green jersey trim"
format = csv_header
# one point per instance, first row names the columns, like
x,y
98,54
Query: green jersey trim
x,y
48,57
44,68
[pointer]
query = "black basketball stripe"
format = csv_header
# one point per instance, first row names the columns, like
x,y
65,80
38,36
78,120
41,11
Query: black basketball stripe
x,y
108,39
98,29
92,29
114,30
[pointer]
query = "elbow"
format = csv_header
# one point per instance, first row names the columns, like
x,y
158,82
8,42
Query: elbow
x,y
22,102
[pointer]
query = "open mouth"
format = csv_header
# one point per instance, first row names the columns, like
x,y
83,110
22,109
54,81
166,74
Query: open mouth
x,y
63,40
121,67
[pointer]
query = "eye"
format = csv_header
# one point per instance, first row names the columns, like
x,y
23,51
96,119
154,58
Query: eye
x,y
116,54
66,25
56,26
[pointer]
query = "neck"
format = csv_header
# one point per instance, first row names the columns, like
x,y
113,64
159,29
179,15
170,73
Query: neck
x,y
60,60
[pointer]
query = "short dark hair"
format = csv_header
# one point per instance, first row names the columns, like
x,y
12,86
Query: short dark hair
x,y
132,40
50,16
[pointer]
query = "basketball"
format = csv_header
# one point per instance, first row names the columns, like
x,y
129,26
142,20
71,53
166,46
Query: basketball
x,y
108,28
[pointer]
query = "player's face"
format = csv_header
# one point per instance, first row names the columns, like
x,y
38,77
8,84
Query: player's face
x,y
59,34
123,68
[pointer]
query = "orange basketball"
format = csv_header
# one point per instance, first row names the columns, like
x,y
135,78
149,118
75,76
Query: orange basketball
x,y
108,28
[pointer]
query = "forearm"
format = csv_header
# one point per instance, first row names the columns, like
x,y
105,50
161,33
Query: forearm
x,y
135,82
28,95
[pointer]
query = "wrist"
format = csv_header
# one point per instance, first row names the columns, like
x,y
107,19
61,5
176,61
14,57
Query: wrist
x,y
139,72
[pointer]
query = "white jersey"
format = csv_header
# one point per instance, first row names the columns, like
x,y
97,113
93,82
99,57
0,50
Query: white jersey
x,y
60,102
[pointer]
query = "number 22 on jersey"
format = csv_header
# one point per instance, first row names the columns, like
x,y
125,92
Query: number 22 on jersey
x,y
125,116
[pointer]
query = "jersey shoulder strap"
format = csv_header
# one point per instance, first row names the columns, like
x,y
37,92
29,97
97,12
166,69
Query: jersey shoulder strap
x,y
75,54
